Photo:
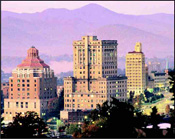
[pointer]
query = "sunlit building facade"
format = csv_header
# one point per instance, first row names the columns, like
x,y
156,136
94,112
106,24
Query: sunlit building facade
x,y
32,87
95,75
135,70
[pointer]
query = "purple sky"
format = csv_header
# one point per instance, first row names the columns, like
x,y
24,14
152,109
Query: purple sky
x,y
125,7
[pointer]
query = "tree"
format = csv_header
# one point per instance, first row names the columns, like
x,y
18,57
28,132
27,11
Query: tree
x,y
111,115
26,126
155,118
172,79
2,124
60,124
72,128
131,97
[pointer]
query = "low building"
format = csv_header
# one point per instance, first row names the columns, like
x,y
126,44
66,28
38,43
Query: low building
x,y
74,117
160,79
5,89
4,94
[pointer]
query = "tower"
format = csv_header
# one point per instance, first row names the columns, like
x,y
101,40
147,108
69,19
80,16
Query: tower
x,y
95,75
32,87
135,70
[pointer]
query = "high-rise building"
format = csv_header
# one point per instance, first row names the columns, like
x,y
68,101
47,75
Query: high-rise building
x,y
95,75
135,70
32,87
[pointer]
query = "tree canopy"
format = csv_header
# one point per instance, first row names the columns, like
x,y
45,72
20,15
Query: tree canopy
x,y
27,125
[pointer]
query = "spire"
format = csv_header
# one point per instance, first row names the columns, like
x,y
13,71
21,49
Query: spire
x,y
138,47
167,64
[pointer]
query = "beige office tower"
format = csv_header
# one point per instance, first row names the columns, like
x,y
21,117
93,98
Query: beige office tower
x,y
32,87
135,70
95,75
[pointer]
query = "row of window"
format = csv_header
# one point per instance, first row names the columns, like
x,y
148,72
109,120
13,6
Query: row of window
x,y
21,105
78,105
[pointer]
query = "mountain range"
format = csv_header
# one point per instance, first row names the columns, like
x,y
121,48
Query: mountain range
x,y
52,31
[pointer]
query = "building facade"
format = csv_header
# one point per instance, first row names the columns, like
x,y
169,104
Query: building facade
x,y
4,94
74,117
161,80
5,89
95,75
32,87
135,70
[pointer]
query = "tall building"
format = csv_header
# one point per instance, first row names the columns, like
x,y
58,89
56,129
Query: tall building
x,y
32,87
95,75
135,70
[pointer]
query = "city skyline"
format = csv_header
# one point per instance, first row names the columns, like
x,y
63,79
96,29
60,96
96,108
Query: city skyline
x,y
81,69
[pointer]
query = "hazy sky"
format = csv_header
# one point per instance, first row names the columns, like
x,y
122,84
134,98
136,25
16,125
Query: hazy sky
x,y
125,7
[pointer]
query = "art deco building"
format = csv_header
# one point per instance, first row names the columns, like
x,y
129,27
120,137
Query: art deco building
x,y
135,70
32,87
95,70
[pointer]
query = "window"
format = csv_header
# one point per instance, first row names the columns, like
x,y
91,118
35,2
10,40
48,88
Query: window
x,y
26,104
17,105
28,80
28,94
23,80
34,104
28,85
21,104
23,85
18,89
8,104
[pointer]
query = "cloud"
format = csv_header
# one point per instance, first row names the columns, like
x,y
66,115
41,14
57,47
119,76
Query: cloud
x,y
61,66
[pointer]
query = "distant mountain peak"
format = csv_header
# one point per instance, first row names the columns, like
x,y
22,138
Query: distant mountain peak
x,y
55,9
94,7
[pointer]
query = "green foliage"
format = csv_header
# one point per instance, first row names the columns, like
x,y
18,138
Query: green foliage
x,y
172,79
60,123
72,128
29,125
2,124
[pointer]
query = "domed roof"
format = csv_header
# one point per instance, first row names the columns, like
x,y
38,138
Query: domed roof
x,y
33,59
